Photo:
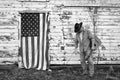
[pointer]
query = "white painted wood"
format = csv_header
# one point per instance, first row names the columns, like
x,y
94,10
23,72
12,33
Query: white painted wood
x,y
107,24
107,30
12,60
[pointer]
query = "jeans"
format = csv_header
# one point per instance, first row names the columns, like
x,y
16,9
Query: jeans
x,y
88,62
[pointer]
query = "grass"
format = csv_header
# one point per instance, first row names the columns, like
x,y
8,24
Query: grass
x,y
66,73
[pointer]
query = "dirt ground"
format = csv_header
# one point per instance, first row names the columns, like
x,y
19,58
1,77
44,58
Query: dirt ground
x,y
66,73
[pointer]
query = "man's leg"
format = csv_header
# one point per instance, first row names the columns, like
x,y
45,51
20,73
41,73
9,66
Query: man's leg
x,y
91,65
83,63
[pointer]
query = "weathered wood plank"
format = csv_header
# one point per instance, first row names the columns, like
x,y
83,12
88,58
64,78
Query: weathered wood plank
x,y
78,62
108,62
10,45
110,41
57,62
10,4
34,5
8,27
9,60
8,30
88,2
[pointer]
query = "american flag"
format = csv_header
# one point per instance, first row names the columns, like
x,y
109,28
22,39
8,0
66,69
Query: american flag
x,y
34,40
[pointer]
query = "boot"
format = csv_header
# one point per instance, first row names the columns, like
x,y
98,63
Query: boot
x,y
91,75
84,73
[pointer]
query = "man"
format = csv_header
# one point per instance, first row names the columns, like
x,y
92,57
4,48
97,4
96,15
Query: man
x,y
84,38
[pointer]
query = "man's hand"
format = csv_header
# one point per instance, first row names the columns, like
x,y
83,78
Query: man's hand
x,y
93,48
86,57
103,47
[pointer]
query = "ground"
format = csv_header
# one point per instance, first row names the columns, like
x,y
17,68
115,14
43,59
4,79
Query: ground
x,y
57,73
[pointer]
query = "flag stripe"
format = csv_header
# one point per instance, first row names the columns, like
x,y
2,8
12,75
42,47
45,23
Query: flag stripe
x,y
38,52
30,52
43,18
35,51
47,43
26,55
40,44
44,66
24,52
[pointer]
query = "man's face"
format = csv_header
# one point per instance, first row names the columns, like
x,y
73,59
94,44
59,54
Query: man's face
x,y
80,30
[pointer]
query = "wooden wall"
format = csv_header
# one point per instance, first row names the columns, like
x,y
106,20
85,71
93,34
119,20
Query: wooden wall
x,y
108,29
62,33
63,15
9,43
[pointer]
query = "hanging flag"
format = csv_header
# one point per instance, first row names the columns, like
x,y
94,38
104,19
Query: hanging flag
x,y
34,40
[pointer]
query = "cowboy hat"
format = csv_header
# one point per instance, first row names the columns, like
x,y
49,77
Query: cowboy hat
x,y
77,27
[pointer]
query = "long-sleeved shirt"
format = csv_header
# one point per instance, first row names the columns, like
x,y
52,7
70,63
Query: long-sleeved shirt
x,y
84,43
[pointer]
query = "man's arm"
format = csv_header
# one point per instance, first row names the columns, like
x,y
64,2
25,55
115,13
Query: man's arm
x,y
76,44
92,45
92,39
